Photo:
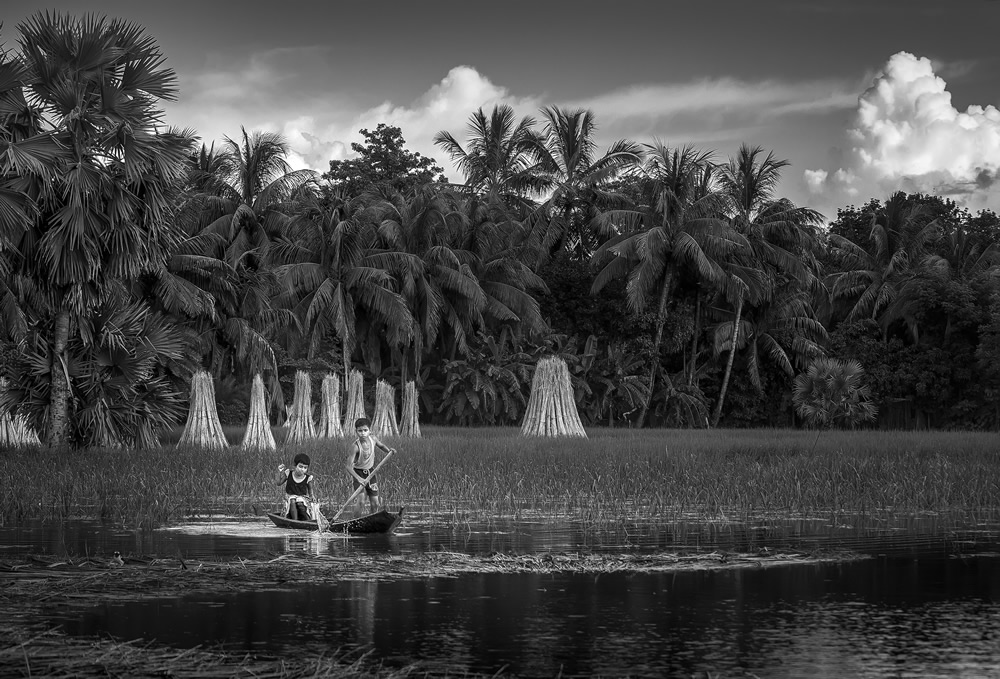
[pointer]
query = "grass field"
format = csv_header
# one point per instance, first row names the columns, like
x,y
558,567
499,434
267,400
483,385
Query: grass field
x,y
481,474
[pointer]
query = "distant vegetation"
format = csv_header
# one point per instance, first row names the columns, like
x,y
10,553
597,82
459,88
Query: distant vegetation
x,y
681,288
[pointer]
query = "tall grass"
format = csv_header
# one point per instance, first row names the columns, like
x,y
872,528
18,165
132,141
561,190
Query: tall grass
x,y
492,473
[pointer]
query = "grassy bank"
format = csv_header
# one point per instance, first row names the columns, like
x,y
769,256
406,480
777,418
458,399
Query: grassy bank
x,y
484,473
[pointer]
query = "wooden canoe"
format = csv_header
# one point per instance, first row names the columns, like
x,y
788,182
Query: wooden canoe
x,y
380,522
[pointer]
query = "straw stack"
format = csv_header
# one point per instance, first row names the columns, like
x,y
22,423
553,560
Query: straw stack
x,y
384,421
551,408
203,428
329,418
300,419
355,399
258,435
410,426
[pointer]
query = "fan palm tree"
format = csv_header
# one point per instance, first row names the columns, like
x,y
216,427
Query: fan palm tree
x,y
497,160
678,228
578,181
833,392
90,157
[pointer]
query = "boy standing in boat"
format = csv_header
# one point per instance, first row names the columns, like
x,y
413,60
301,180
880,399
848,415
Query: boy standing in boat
x,y
298,487
361,461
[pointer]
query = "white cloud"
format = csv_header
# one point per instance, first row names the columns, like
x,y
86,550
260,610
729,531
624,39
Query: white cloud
x,y
815,179
907,135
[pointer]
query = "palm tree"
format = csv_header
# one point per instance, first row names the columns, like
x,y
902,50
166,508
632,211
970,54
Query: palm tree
x,y
780,236
833,392
678,229
566,156
784,331
434,281
497,160
97,169
493,246
874,276
247,205
331,271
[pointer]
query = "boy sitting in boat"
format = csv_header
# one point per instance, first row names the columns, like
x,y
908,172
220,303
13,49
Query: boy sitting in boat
x,y
361,460
298,488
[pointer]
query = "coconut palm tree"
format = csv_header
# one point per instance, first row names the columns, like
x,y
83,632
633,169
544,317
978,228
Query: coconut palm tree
x,y
873,276
493,245
497,160
331,273
98,169
678,229
780,237
578,181
434,281
247,204
783,331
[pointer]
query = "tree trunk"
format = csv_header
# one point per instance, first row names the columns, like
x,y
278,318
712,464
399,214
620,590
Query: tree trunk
x,y
729,364
694,339
59,383
660,322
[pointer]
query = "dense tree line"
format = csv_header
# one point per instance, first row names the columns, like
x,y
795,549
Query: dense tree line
x,y
680,288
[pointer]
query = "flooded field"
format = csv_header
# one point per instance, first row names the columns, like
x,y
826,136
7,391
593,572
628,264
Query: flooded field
x,y
923,600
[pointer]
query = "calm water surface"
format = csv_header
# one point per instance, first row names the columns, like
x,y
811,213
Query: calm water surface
x,y
927,604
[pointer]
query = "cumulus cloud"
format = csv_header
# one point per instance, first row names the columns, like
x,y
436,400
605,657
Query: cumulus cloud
x,y
908,135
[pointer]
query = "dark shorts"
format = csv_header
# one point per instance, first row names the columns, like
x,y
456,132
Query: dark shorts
x,y
371,490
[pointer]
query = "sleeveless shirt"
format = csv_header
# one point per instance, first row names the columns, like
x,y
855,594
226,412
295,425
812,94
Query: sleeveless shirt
x,y
365,457
293,487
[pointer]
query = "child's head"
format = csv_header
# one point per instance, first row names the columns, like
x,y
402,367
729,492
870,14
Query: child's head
x,y
301,459
362,426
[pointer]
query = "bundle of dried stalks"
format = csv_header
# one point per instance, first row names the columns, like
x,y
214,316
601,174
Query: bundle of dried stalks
x,y
410,426
329,417
203,428
14,429
300,419
258,435
355,399
384,422
551,408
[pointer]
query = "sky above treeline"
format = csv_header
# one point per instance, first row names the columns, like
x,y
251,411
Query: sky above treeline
x,y
862,97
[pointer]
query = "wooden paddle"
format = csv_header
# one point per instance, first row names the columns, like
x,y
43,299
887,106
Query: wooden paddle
x,y
359,489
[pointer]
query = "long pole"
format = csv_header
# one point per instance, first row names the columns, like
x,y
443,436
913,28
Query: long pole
x,y
357,491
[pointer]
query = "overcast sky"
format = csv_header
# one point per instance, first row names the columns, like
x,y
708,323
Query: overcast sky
x,y
862,97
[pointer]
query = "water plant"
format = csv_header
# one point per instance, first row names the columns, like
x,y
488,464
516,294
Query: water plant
x,y
491,473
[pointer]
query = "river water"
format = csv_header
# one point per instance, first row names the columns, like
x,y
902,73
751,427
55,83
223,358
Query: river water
x,y
925,604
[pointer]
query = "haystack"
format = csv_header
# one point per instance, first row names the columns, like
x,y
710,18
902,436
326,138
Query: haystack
x,y
551,408
300,419
329,417
384,422
258,435
203,428
355,400
410,425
